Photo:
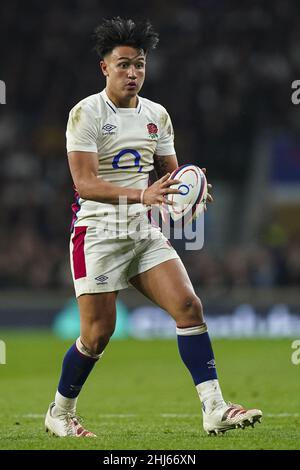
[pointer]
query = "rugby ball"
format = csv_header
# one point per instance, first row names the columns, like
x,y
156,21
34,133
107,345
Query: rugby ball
x,y
193,187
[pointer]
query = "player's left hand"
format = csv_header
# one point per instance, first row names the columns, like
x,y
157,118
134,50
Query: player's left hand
x,y
209,196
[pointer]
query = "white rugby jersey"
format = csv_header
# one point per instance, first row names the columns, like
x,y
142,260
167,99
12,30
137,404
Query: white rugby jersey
x,y
125,140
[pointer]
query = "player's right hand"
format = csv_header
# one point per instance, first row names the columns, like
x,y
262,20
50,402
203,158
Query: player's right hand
x,y
156,193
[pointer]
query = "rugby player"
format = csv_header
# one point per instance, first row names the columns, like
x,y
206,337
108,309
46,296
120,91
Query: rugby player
x,y
115,138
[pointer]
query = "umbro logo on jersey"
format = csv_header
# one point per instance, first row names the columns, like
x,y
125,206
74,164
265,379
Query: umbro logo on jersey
x,y
101,279
108,129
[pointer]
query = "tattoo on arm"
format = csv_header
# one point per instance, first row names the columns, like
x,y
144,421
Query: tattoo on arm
x,y
161,165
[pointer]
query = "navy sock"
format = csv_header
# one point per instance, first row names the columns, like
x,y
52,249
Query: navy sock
x,y
76,368
196,352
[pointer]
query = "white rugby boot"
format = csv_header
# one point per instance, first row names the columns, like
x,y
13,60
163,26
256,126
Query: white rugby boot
x,y
229,417
65,425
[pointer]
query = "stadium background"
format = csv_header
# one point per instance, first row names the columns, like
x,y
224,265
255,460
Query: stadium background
x,y
224,71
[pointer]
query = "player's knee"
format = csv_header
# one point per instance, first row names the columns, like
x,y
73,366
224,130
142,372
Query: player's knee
x,y
99,340
191,311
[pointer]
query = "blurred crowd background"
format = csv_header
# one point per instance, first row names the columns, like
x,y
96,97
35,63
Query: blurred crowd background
x,y
223,69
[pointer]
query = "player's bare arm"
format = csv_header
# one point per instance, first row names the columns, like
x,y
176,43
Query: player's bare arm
x,y
164,164
84,169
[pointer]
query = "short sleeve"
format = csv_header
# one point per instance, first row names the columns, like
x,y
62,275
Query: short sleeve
x,y
82,129
165,143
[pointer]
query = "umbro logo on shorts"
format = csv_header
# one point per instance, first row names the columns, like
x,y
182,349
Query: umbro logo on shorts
x,y
108,129
101,279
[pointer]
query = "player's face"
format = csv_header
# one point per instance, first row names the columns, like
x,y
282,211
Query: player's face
x,y
124,69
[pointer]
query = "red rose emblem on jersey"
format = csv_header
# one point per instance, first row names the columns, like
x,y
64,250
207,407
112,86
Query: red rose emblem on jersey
x,y
152,129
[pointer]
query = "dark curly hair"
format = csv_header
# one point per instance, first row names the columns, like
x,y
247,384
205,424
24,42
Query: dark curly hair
x,y
119,31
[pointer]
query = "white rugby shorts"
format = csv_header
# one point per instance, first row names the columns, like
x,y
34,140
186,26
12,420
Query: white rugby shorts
x,y
107,264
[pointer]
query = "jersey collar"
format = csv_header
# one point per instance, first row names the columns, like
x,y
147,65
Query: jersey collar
x,y
113,108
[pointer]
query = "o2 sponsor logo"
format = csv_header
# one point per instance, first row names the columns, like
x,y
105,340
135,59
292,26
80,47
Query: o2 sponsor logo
x,y
135,159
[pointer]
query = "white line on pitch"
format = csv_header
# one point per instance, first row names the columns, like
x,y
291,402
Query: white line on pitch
x,y
164,415
267,415
179,415
108,415
282,415
112,415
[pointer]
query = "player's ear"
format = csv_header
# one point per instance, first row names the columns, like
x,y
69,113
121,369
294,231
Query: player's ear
x,y
103,66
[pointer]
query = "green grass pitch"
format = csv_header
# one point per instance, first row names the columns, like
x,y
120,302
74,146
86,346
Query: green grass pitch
x,y
140,395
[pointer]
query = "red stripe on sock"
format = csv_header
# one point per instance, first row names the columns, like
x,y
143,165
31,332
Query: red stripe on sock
x,y
78,252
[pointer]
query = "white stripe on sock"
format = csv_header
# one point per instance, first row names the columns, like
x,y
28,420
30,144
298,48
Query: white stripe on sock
x,y
84,350
194,330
